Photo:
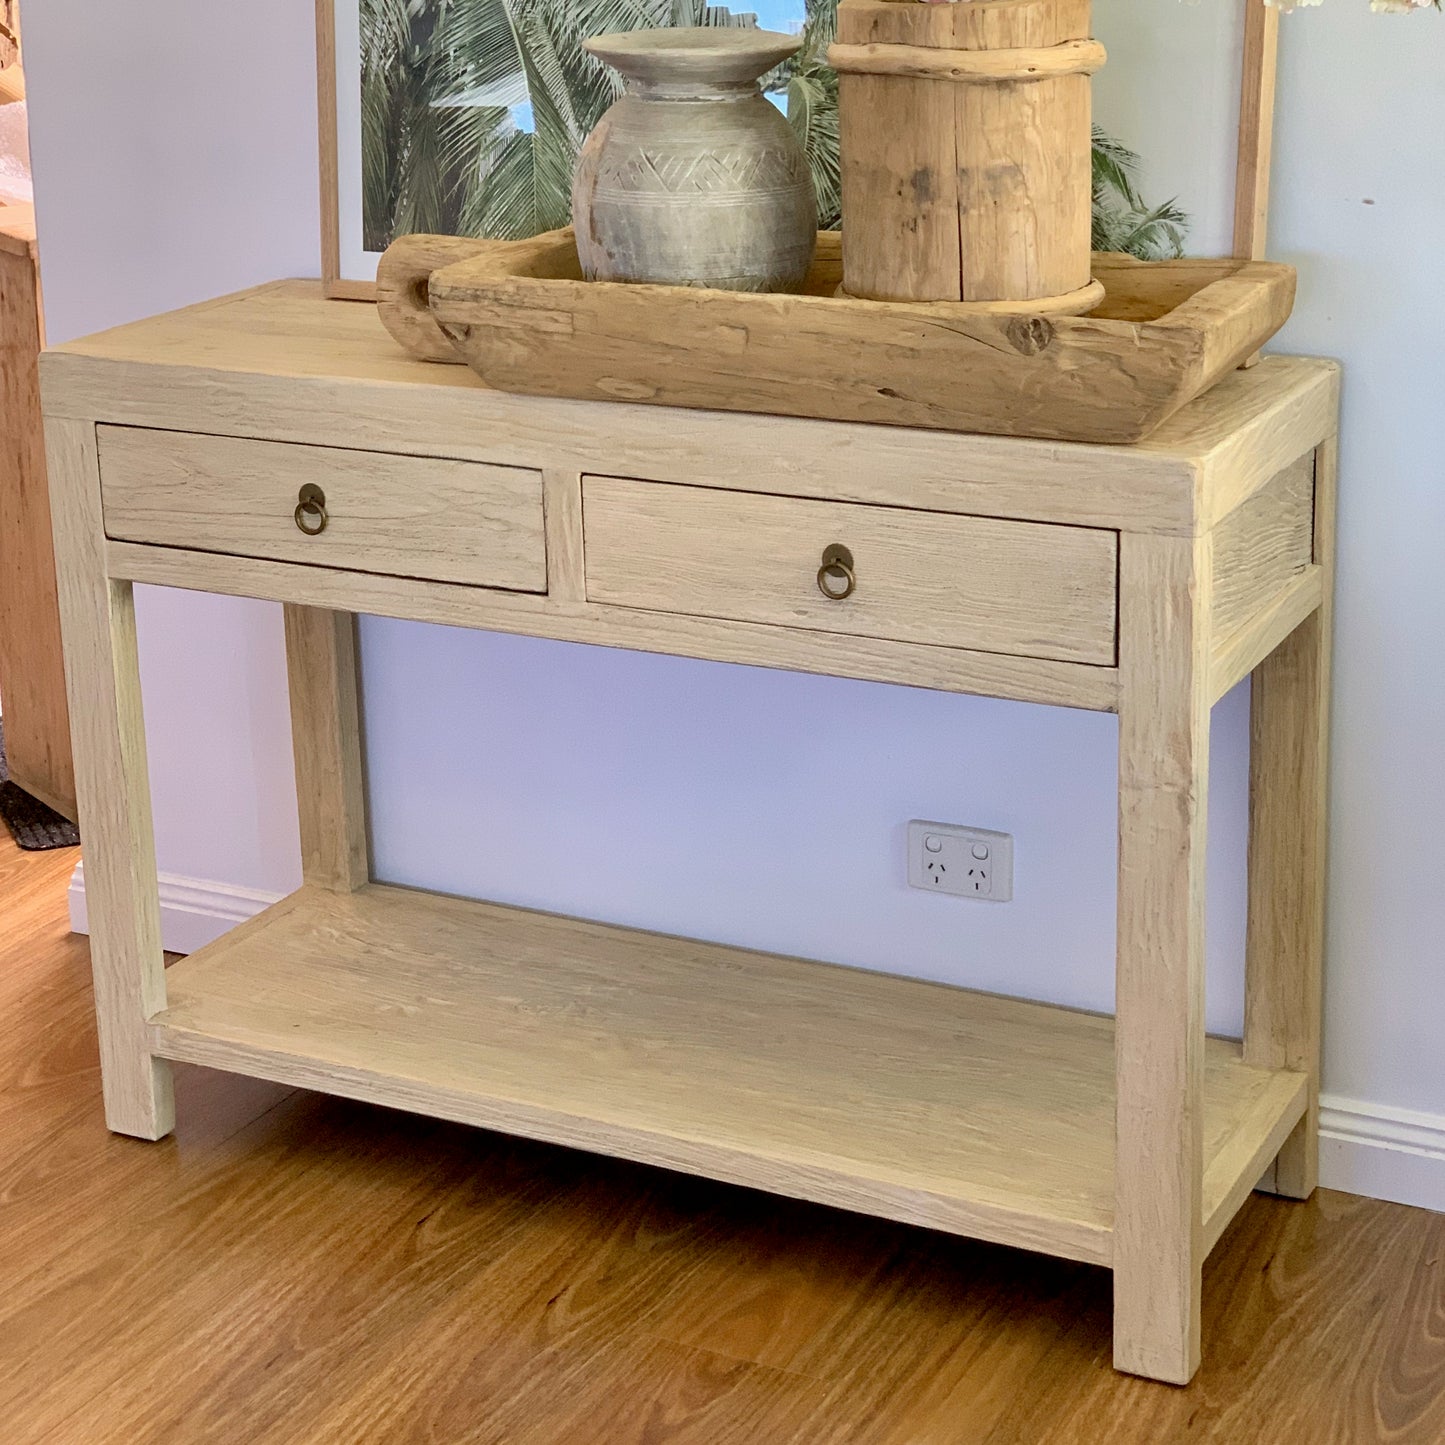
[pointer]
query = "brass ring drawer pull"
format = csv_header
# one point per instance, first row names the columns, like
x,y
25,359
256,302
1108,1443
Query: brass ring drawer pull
x,y
836,578
310,510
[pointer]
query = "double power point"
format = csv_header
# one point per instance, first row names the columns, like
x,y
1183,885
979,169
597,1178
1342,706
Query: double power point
x,y
967,862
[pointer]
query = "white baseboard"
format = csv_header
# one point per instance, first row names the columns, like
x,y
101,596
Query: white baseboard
x,y
1395,1154
194,911
1370,1149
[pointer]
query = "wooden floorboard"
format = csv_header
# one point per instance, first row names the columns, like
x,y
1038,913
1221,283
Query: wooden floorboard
x,y
299,1270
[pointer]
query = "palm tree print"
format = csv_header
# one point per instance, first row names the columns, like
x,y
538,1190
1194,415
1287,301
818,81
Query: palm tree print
x,y
473,111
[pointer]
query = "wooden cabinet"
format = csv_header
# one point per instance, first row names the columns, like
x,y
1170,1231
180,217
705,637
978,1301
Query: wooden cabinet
x,y
32,675
1143,580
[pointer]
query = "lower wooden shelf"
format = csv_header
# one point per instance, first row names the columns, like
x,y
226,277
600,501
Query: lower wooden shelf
x,y
965,1112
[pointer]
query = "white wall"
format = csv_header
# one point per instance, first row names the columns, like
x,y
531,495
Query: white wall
x,y
174,159
174,150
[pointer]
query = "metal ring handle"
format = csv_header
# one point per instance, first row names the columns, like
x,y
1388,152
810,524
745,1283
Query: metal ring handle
x,y
837,568
310,513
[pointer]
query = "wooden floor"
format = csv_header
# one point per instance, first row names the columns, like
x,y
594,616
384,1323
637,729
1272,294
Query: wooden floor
x,y
293,1269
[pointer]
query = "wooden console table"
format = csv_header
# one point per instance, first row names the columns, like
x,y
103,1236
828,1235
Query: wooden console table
x,y
1142,580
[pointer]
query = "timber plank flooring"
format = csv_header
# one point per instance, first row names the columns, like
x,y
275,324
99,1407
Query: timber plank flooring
x,y
300,1270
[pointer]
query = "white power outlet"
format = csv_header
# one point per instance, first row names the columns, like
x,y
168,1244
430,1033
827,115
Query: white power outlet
x,y
967,862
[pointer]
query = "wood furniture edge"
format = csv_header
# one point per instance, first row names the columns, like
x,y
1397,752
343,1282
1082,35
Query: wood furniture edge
x,y
1234,1174
562,517
972,1220
1235,655
1281,429
1065,684
108,732
335,286
1164,715
321,670
32,671
327,146
1255,145
1289,846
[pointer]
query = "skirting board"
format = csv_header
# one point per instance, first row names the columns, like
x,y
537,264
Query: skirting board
x,y
1385,1153
194,911
1369,1149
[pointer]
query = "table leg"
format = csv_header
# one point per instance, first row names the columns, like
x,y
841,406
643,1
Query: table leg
x,y
326,744
1289,754
1163,780
113,790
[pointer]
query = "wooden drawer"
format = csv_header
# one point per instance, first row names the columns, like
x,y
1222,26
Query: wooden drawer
x,y
406,516
993,586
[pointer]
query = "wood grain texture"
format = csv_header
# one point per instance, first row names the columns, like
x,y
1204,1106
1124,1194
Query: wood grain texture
x,y
1265,417
1072,57
412,516
1254,149
432,1005
911,1100
1159,995
950,669
1231,1173
978,25
1288,840
103,678
973,582
280,363
1025,236
905,175
297,1269
566,572
32,668
321,662
972,136
526,321
403,278
1254,153
328,154
1236,655
1263,546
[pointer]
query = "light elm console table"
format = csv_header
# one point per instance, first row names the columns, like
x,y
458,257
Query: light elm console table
x,y
276,445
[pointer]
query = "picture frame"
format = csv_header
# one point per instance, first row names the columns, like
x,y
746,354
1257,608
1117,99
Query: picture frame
x,y
348,269
342,274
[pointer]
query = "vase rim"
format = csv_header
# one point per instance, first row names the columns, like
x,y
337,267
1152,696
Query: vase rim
x,y
717,53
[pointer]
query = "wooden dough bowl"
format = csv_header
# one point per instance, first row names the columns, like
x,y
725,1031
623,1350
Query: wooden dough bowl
x,y
521,316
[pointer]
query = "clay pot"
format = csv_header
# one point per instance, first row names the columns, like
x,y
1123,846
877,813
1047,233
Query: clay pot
x,y
693,178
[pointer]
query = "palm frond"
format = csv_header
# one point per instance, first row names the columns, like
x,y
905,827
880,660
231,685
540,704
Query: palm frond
x,y
1122,221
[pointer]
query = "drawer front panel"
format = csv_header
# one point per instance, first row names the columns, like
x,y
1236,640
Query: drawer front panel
x,y
1024,588
406,516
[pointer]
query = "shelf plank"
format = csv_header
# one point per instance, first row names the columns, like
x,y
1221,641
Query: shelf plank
x,y
960,1111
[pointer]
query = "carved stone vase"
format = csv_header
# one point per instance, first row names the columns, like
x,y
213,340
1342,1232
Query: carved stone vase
x,y
693,178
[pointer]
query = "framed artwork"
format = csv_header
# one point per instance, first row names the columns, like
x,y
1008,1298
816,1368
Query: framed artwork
x,y
464,117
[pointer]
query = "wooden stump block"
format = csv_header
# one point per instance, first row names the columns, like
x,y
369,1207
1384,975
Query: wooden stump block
x,y
966,149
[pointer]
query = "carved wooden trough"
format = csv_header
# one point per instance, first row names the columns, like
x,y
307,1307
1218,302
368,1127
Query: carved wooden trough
x,y
521,316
